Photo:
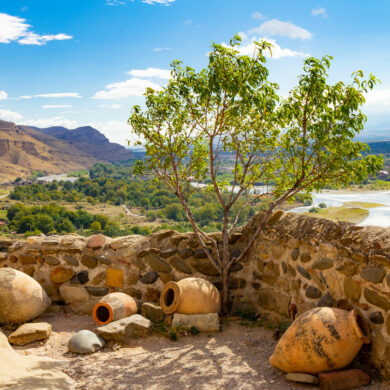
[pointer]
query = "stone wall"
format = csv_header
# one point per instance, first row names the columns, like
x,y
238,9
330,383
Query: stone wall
x,y
297,264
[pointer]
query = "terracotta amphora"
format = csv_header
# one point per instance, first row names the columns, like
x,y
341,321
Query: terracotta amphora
x,y
190,296
322,339
113,307
21,297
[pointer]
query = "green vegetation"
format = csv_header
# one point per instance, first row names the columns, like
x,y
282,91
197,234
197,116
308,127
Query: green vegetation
x,y
364,205
51,218
115,185
343,213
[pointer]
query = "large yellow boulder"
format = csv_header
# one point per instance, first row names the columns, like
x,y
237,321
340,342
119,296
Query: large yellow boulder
x,y
21,297
19,372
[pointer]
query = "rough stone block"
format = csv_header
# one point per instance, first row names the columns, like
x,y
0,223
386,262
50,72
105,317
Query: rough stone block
x,y
114,277
71,260
61,275
157,264
324,263
27,333
72,294
373,274
51,260
167,253
352,290
130,327
180,265
96,241
343,380
89,262
204,322
376,299
27,259
302,378
313,292
97,291
149,278
153,312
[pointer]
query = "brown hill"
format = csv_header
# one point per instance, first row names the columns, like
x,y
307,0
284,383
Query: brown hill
x,y
91,141
24,149
21,153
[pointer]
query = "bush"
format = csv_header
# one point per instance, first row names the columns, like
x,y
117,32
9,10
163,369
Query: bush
x,y
314,210
96,227
322,205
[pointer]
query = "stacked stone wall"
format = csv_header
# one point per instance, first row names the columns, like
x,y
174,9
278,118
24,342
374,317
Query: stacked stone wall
x,y
297,263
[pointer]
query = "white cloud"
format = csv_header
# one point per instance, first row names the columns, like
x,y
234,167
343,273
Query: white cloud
x,y
258,16
378,100
151,73
162,2
277,27
3,95
188,22
276,52
115,131
13,28
59,95
319,11
159,49
9,115
24,97
115,2
53,121
123,2
112,106
132,87
35,39
57,106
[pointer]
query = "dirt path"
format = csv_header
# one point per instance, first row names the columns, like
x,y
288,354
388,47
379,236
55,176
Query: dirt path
x,y
236,358
128,212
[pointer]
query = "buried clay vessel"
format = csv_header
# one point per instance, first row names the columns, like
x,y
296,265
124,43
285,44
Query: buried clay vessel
x,y
190,296
113,307
21,297
322,339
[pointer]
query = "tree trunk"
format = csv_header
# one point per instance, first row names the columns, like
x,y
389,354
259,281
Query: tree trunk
x,y
225,299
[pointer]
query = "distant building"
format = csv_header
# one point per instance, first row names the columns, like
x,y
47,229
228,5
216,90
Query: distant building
x,y
22,183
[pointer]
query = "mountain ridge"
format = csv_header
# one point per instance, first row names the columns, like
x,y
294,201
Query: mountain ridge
x,y
24,149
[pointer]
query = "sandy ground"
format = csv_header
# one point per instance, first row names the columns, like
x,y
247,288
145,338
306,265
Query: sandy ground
x,y
236,358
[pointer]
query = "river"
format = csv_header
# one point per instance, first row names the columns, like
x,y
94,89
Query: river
x,y
379,216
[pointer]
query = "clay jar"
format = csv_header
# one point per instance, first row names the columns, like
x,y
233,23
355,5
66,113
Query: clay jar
x,y
322,339
113,307
21,297
190,296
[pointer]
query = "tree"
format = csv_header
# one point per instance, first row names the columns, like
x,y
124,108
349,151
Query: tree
x,y
302,143
96,227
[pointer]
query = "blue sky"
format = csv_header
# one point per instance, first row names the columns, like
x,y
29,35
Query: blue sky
x,y
76,63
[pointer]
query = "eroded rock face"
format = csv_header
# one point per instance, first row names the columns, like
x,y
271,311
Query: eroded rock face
x,y
21,297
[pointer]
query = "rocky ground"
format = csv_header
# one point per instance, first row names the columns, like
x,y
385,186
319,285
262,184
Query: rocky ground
x,y
236,358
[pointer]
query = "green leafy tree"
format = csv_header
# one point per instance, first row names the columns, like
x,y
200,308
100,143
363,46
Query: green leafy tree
x,y
303,143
